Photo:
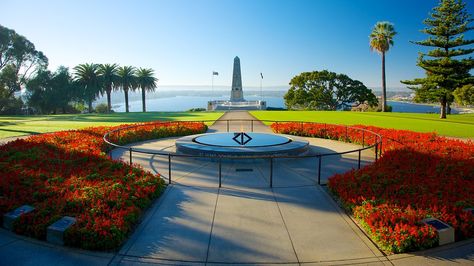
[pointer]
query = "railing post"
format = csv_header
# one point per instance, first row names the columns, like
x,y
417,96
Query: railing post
x,y
346,133
319,170
220,172
363,139
376,151
358,166
271,172
227,125
130,151
169,168
380,149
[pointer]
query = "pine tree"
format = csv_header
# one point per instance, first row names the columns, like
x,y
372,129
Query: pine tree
x,y
447,65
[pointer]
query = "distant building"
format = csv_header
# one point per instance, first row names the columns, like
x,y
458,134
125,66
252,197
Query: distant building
x,y
237,101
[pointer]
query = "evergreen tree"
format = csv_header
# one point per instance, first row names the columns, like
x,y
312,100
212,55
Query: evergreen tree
x,y
445,70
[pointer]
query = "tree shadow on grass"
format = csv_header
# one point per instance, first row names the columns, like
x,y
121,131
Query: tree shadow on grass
x,y
20,131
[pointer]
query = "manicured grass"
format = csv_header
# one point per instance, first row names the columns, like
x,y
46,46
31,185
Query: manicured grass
x,y
26,125
454,125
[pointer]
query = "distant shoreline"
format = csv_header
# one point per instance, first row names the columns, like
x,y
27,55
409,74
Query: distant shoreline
x,y
461,109
185,98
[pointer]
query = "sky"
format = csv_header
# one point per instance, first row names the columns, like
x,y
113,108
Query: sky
x,y
185,40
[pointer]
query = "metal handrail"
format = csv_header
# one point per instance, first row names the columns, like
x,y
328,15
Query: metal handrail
x,y
377,145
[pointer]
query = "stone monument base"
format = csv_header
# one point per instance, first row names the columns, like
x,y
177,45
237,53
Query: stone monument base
x,y
236,105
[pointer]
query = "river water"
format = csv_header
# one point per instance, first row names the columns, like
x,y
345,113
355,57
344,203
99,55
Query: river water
x,y
182,100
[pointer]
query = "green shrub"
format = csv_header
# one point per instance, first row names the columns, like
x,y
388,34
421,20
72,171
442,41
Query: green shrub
x,y
102,108
197,110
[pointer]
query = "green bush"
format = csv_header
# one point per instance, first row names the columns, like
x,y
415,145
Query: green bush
x,y
102,108
197,110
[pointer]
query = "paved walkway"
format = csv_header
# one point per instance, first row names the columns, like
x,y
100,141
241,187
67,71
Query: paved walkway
x,y
244,222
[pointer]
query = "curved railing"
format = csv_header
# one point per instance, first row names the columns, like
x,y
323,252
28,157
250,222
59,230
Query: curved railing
x,y
370,140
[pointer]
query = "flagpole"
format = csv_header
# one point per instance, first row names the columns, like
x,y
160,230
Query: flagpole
x,y
214,73
261,91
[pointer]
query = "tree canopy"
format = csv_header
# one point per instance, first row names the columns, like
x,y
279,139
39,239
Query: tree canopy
x,y
324,90
18,61
464,95
446,65
48,92
18,55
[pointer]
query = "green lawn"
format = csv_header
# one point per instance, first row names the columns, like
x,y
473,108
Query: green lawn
x,y
25,125
454,125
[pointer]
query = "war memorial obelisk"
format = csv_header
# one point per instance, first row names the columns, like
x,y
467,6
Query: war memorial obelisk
x,y
236,94
237,101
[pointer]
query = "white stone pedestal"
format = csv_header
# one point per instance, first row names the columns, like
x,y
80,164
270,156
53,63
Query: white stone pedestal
x,y
445,231
55,233
10,217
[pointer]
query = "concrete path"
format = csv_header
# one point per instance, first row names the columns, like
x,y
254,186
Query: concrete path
x,y
242,122
244,222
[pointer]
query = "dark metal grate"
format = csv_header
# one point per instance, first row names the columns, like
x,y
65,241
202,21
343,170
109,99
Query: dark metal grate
x,y
244,170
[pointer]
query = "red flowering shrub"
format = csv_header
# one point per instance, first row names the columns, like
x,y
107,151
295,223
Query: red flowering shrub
x,y
394,229
419,175
68,174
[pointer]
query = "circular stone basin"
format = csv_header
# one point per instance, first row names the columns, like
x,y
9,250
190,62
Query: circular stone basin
x,y
240,144
227,140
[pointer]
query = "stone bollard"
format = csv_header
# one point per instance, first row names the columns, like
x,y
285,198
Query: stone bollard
x,y
445,231
55,232
10,217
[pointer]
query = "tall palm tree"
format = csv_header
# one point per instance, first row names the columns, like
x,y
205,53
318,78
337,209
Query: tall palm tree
x,y
381,38
86,75
108,77
146,82
127,80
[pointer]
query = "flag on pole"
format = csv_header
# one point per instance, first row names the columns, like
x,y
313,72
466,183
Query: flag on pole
x,y
261,75
214,73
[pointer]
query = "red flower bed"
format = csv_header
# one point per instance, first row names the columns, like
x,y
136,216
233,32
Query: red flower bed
x,y
419,175
69,174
